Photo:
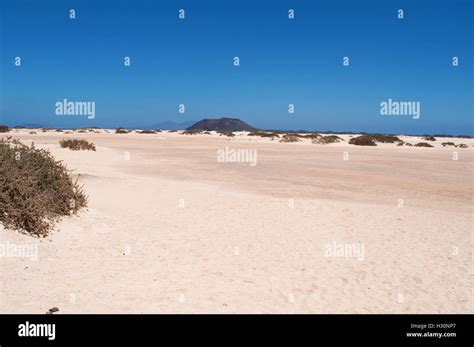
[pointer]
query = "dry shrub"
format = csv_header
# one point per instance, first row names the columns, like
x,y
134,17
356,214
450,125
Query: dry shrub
x,y
429,138
146,131
444,144
35,189
372,139
462,145
173,131
295,134
408,144
4,129
206,133
225,133
77,145
323,140
263,134
362,140
423,144
121,131
191,132
385,138
290,138
32,132
313,136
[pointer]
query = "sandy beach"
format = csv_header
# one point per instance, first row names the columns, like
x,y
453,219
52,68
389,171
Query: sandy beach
x,y
170,229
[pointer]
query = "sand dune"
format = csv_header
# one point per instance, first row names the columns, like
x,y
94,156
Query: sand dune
x,y
171,229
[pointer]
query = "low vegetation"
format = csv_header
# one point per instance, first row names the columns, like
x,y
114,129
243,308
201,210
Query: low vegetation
x,y
146,131
77,145
225,133
4,129
35,189
191,132
429,138
263,134
324,140
363,140
121,131
423,144
312,136
462,145
384,138
372,139
288,138
444,144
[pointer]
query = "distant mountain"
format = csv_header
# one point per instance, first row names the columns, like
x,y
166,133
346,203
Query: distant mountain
x,y
27,125
226,124
169,125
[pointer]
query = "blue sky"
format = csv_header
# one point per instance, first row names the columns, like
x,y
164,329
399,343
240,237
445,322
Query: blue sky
x,y
282,61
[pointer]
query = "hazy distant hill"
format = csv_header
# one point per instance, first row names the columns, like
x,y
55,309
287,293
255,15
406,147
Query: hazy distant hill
x,y
228,124
169,125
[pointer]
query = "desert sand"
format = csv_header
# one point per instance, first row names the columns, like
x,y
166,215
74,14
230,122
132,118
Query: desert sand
x,y
169,229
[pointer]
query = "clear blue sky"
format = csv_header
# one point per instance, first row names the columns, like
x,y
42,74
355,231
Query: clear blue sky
x,y
282,61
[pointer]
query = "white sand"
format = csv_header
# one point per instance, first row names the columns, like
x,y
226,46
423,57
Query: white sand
x,y
252,239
